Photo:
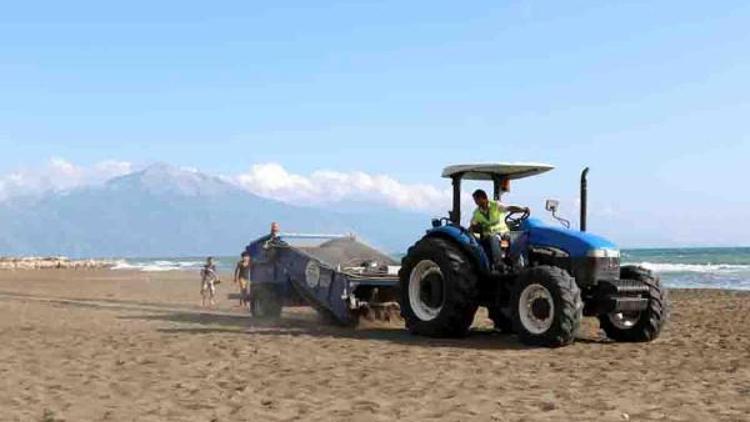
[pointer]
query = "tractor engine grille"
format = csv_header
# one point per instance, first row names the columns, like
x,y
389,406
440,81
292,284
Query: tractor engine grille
x,y
587,271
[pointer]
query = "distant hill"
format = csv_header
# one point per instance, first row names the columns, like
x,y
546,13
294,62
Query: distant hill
x,y
166,211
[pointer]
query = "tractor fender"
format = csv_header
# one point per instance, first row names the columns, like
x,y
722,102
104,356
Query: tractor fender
x,y
466,242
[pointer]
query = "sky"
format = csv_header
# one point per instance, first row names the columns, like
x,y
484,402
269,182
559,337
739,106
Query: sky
x,y
370,100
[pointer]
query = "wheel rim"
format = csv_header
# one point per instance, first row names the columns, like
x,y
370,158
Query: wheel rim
x,y
536,309
624,320
426,290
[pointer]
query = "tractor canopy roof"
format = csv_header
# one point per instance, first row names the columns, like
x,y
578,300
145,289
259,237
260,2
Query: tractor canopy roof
x,y
490,171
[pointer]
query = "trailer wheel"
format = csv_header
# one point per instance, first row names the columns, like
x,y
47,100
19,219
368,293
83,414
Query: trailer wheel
x,y
643,326
265,302
438,289
547,307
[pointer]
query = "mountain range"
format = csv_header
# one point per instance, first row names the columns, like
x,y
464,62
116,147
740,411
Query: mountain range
x,y
167,211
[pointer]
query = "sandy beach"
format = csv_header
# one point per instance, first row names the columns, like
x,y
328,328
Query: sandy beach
x,y
98,345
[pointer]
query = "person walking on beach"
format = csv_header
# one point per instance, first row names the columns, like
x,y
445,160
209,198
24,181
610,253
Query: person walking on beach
x,y
209,280
242,278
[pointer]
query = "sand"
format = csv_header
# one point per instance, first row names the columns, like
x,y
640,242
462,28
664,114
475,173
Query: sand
x,y
124,346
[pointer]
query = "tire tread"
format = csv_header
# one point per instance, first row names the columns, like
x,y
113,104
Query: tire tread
x,y
568,320
460,305
647,329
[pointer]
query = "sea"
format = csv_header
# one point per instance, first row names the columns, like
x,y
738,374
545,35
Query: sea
x,y
699,268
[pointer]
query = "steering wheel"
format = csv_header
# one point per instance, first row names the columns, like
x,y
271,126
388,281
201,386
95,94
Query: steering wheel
x,y
515,219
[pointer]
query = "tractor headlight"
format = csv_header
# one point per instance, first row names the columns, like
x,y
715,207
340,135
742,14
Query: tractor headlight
x,y
603,253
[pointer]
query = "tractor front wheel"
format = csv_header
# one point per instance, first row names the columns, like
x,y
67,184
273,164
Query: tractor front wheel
x,y
642,326
438,289
547,307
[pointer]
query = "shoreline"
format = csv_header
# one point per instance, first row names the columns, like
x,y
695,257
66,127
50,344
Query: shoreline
x,y
26,263
226,274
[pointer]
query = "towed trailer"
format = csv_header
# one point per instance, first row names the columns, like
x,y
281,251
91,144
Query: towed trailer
x,y
337,275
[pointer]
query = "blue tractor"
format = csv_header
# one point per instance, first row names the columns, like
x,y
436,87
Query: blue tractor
x,y
547,280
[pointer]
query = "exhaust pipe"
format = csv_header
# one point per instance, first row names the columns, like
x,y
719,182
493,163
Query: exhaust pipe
x,y
584,197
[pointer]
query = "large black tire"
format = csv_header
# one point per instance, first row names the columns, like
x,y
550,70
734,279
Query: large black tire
x,y
647,325
552,307
448,295
265,302
502,322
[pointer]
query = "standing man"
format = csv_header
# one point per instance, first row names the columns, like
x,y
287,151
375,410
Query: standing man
x,y
209,280
274,239
242,278
489,222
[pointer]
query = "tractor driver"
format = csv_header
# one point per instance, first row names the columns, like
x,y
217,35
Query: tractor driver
x,y
489,222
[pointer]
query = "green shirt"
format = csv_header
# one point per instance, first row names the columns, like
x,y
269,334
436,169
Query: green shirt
x,y
492,221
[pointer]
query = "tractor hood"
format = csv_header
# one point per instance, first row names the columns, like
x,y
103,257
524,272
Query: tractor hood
x,y
575,243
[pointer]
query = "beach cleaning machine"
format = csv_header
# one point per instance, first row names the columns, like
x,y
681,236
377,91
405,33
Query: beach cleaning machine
x,y
546,278
342,278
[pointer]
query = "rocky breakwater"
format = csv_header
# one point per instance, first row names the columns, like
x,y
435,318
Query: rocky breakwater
x,y
52,263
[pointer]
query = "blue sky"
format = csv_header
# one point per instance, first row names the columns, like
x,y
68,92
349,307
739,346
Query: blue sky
x,y
654,96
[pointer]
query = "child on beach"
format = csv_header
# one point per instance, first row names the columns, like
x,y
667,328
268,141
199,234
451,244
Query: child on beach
x,y
242,278
209,280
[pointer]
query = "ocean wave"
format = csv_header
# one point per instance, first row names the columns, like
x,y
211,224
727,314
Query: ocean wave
x,y
665,268
158,265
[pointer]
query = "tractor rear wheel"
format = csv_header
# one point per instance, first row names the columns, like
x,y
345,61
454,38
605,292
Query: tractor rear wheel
x,y
438,289
265,302
547,307
643,326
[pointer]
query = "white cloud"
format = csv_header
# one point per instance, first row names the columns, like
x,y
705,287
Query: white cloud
x,y
271,180
111,168
59,174
326,187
